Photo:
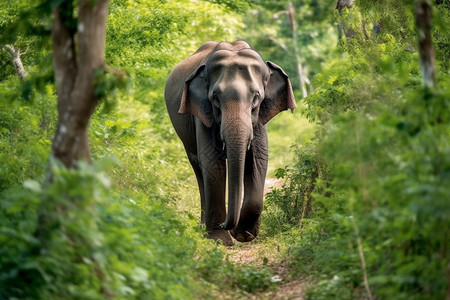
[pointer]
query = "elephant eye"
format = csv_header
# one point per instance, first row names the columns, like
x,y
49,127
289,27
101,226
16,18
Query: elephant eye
x,y
255,100
215,100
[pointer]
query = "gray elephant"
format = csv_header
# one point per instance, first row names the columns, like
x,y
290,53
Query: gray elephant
x,y
219,100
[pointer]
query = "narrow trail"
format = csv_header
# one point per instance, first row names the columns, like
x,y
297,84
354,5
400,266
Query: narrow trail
x,y
255,253
261,254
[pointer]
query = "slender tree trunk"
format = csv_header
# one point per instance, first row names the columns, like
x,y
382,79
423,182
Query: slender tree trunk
x,y
427,60
341,4
74,75
15,54
301,77
426,50
307,199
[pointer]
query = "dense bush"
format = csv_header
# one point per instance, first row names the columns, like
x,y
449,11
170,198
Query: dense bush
x,y
25,129
390,181
380,212
75,238
290,205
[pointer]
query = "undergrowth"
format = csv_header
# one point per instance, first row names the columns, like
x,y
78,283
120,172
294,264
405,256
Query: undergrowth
x,y
365,205
122,228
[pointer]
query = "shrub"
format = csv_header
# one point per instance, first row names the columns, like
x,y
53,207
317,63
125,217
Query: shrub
x,y
80,240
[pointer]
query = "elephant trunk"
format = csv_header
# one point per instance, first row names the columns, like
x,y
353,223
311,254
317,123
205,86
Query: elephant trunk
x,y
237,137
236,163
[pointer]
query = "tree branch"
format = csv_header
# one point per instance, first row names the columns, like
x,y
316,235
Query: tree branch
x,y
15,54
291,16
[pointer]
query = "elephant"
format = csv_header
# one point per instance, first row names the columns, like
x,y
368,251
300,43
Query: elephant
x,y
219,101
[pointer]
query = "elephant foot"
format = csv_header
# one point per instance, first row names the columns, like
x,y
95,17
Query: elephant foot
x,y
244,236
221,235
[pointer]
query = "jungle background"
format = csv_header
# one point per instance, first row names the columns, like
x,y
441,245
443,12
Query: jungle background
x,y
362,207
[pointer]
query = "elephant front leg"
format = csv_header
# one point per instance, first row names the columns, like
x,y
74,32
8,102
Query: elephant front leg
x,y
254,178
214,212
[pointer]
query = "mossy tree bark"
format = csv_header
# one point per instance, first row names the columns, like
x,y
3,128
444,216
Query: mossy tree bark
x,y
78,50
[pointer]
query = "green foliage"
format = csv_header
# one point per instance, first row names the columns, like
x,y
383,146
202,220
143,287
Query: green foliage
x,y
288,205
368,73
254,280
280,139
384,141
395,17
25,25
392,172
82,241
268,29
236,5
108,83
147,31
441,34
25,129
225,274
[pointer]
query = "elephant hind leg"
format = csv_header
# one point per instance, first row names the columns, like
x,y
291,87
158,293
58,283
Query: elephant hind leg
x,y
201,187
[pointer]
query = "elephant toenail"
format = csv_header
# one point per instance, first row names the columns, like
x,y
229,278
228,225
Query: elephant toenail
x,y
240,237
250,237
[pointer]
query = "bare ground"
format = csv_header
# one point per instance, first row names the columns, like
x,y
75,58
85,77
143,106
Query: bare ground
x,y
259,254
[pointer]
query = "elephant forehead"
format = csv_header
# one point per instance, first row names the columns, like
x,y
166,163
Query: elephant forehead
x,y
226,58
230,65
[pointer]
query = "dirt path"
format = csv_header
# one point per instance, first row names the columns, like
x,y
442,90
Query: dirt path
x,y
272,183
260,253
257,254
267,253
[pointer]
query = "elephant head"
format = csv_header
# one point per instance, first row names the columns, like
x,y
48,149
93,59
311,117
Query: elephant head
x,y
236,90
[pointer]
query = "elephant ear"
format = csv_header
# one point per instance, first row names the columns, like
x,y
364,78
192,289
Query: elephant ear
x,y
195,97
278,94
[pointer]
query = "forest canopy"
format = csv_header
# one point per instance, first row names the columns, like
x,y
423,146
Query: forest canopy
x,y
362,210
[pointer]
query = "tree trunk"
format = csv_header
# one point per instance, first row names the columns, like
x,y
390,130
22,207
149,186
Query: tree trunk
x,y
78,50
340,5
301,77
426,51
15,54
74,75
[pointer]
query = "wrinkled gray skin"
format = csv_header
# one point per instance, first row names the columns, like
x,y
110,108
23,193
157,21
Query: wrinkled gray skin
x,y
219,100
